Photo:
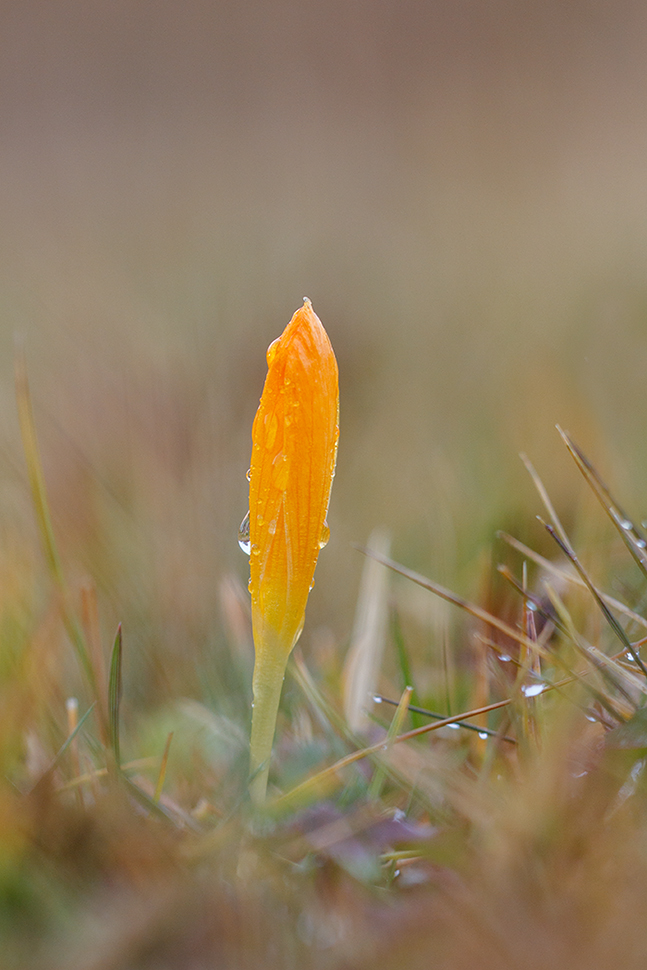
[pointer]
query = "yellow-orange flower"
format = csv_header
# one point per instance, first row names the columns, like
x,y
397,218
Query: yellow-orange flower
x,y
294,447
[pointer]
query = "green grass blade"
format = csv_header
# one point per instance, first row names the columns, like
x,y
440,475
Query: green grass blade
x,y
114,694
43,515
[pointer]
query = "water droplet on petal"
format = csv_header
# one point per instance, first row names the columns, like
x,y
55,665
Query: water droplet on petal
x,y
311,587
249,584
325,536
271,351
243,535
248,474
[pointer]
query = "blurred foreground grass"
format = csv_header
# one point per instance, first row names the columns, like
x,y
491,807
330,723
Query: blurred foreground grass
x,y
509,831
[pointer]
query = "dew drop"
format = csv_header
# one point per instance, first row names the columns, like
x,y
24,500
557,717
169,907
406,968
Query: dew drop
x,y
325,536
311,587
377,699
248,474
483,735
271,351
454,727
243,536
255,550
505,658
641,543
625,524
249,584
533,690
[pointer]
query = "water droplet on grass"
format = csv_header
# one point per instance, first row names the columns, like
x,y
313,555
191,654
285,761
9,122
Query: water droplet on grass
x,y
533,690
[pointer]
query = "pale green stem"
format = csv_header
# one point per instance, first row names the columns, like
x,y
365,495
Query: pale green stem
x,y
269,671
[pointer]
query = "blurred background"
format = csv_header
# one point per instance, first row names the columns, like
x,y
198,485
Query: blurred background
x,y
460,186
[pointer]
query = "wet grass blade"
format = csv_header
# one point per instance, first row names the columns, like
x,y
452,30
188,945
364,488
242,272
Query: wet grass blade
x,y
598,661
632,537
568,576
606,612
114,694
476,611
414,709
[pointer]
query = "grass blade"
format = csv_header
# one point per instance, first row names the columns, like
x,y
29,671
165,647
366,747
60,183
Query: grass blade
x,y
162,772
632,537
476,611
377,781
114,694
413,709
608,615
43,515
568,576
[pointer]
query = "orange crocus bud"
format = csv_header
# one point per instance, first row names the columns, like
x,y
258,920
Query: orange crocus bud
x,y
294,448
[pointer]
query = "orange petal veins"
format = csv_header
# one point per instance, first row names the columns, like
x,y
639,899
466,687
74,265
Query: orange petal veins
x,y
294,448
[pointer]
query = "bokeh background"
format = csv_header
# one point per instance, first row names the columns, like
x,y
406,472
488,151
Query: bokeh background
x,y
460,186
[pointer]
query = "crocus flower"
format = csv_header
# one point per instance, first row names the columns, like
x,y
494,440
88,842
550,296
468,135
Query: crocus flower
x,y
294,447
